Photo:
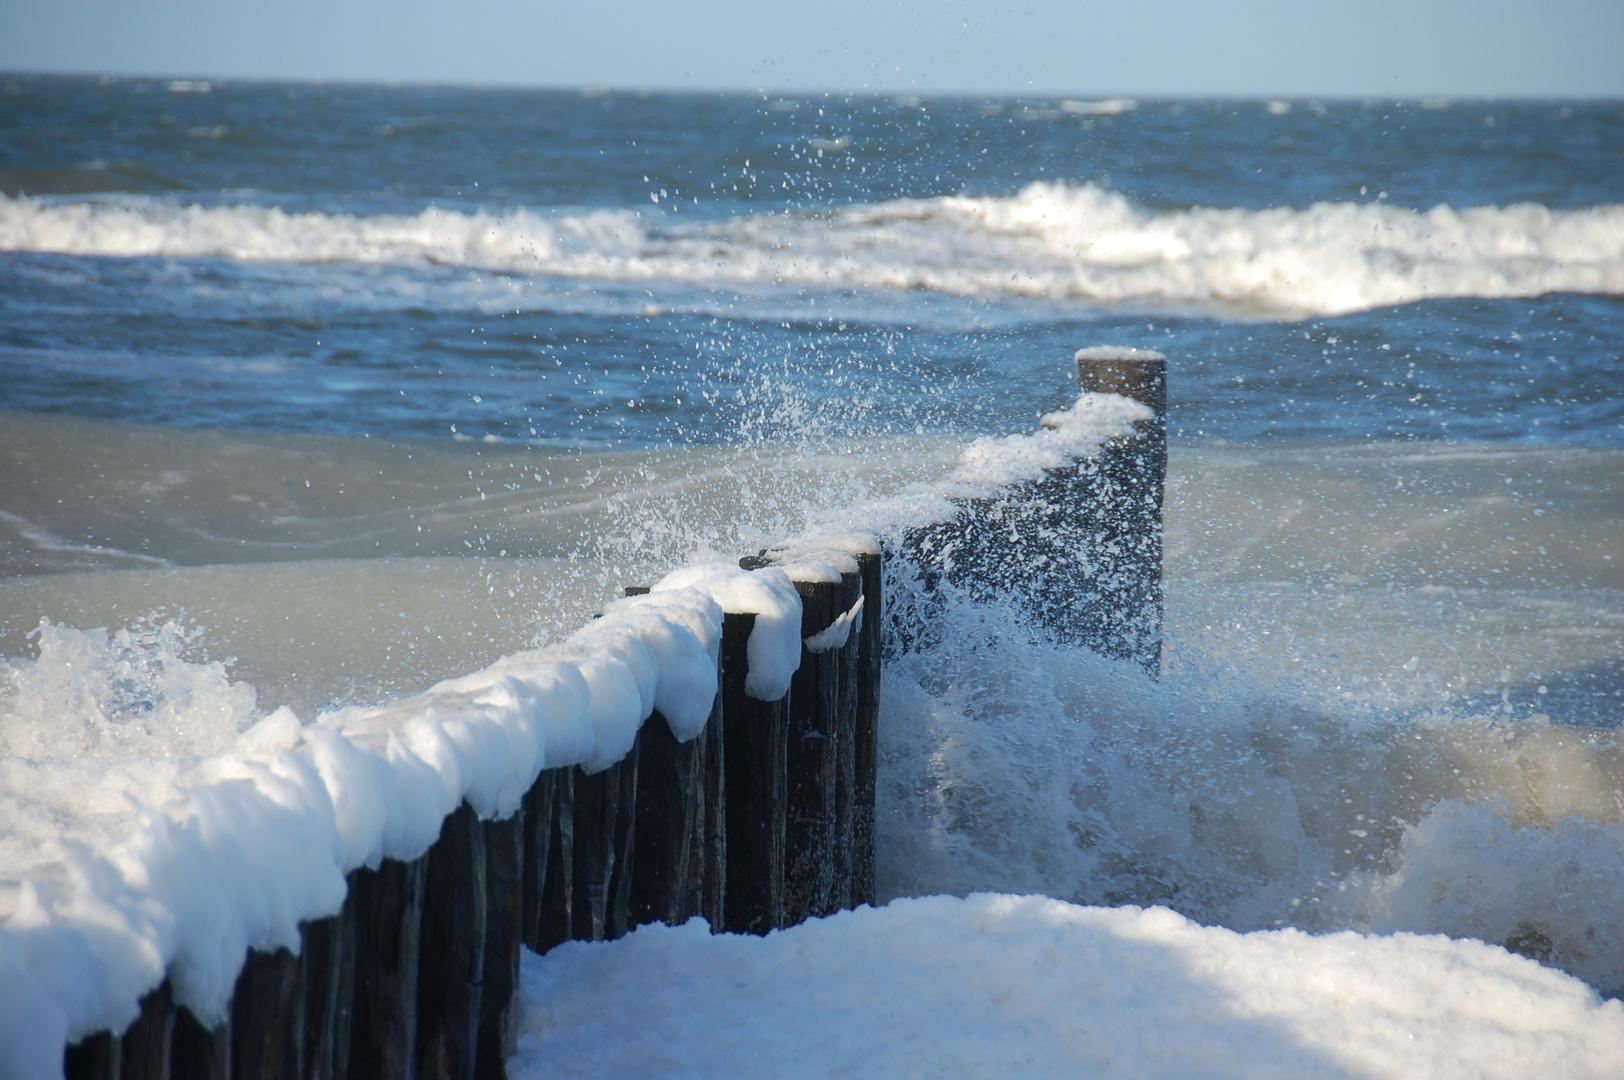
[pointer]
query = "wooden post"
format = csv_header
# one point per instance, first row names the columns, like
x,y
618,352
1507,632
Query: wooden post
x,y
1079,551
548,860
328,961
556,899
1127,491
670,794
678,875
604,805
452,966
625,841
197,1052
267,1018
755,733
95,1057
814,695
845,747
865,742
145,1046
707,870
504,911
388,906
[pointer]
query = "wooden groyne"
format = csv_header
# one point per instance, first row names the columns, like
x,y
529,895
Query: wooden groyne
x,y
418,975
1079,551
765,818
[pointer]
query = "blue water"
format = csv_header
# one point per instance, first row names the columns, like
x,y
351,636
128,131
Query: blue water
x,y
410,348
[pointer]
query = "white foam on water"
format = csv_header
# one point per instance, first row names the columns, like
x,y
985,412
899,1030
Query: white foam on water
x,y
1355,724
1015,766
1050,241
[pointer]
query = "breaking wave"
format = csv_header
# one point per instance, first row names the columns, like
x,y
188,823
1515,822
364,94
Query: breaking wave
x,y
1048,241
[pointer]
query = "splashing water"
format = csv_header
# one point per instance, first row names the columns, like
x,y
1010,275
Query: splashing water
x,y
140,692
1017,766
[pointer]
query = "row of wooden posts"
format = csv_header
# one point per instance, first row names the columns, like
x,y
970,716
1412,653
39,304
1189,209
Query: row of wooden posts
x,y
763,820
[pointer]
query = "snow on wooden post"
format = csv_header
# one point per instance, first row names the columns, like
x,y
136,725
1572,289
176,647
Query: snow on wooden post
x,y
388,906
755,734
504,912
452,965
865,740
680,848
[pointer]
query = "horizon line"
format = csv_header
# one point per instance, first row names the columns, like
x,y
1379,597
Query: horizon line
x,y
765,92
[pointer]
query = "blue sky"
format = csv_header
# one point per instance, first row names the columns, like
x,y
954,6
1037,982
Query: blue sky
x,y
1168,47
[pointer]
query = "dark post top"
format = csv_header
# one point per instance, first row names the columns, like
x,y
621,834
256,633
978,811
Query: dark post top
x,y
1140,374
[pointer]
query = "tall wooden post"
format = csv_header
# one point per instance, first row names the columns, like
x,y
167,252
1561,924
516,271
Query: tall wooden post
x,y
755,733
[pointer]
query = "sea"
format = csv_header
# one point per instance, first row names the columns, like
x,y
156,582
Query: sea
x,y
314,394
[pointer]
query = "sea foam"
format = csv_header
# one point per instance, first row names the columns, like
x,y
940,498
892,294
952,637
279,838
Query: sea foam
x,y
1049,241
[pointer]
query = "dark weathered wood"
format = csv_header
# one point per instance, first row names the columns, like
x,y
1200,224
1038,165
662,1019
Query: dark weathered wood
x,y
343,996
707,851
388,906
557,923
755,734
145,1045
267,1018
669,803
538,838
845,745
1078,551
1138,374
813,761
328,957
596,803
865,741
197,1052
625,841
504,910
95,1057
451,969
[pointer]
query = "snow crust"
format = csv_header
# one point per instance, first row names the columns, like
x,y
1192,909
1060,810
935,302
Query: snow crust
x,y
998,985
774,648
837,633
1117,352
1063,437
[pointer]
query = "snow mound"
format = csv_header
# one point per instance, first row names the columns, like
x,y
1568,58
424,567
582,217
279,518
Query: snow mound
x,y
997,985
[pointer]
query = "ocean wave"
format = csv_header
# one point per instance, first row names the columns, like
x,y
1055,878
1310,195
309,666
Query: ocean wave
x,y
1049,241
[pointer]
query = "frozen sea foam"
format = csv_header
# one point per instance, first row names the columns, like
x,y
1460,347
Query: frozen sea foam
x,y
997,985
